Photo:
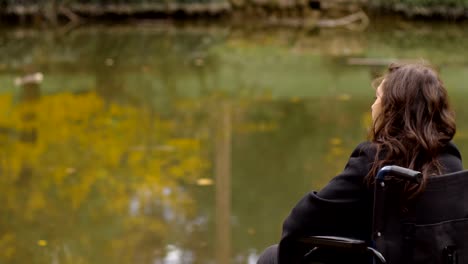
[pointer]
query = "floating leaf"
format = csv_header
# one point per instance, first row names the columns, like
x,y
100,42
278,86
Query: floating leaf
x,y
70,170
204,182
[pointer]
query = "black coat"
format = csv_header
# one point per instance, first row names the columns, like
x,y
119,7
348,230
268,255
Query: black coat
x,y
344,206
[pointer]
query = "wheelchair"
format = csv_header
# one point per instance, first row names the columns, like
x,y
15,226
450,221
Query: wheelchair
x,y
412,235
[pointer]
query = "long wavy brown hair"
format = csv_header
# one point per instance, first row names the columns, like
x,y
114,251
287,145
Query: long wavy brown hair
x,y
414,124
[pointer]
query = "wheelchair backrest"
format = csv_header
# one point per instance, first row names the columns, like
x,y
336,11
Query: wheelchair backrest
x,y
431,228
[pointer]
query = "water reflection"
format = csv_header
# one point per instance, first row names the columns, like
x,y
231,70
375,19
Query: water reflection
x,y
165,145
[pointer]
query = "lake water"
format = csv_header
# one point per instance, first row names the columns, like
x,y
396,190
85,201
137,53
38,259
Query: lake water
x,y
161,143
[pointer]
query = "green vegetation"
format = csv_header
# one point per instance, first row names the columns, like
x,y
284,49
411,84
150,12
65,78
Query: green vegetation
x,y
440,8
92,2
55,11
71,9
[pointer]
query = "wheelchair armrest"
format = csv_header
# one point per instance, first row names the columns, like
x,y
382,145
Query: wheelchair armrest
x,y
334,242
341,243
401,173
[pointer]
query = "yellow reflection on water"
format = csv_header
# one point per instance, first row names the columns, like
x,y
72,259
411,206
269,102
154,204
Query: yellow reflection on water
x,y
84,177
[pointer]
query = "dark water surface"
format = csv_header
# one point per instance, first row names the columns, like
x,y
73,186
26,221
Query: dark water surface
x,y
155,143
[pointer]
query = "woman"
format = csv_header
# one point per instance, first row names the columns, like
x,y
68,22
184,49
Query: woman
x,y
412,127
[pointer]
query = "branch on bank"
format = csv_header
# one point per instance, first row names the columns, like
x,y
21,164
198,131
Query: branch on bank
x,y
70,15
358,20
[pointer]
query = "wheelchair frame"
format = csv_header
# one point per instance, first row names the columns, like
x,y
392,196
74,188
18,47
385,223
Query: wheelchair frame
x,y
355,245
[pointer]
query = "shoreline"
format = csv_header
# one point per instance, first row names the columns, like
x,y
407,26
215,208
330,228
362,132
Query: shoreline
x,y
74,12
